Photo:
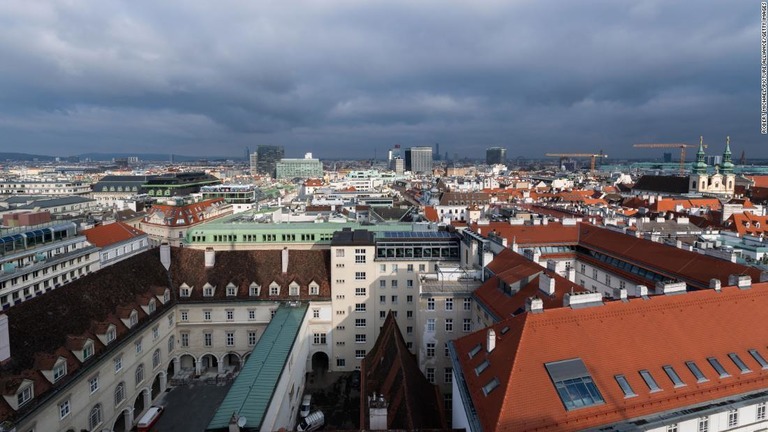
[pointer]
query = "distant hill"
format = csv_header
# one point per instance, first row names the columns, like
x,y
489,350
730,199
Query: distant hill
x,y
150,157
4,156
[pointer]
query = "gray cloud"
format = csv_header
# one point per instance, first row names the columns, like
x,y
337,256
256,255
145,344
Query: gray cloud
x,y
341,78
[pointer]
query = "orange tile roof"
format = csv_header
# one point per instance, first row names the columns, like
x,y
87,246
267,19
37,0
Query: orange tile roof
x,y
614,339
430,213
748,223
186,215
531,235
105,235
760,181
693,268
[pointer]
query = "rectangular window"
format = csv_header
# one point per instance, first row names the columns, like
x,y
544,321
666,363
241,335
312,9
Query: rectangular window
x,y
207,315
138,346
93,384
431,325
467,325
230,314
672,427
382,283
409,314
449,304
230,339
359,354
703,424
409,283
359,307
430,303
430,349
394,299
409,330
319,339
382,268
696,372
184,339
431,375
24,396
760,411
359,322
394,284
360,275
718,367
625,387
382,299
251,338
340,362
155,332
360,338
758,358
410,268
673,376
467,304
359,291
649,380
207,339
733,418
449,324
739,363
359,256
184,316
409,299
573,383
422,267
64,409
339,253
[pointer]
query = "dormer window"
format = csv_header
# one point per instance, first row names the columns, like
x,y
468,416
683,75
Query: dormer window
x,y
314,288
111,334
231,290
208,290
152,306
87,350
274,289
25,394
293,289
134,319
254,289
166,296
59,369
185,290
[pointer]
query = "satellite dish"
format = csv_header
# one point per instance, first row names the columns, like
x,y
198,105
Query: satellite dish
x,y
241,421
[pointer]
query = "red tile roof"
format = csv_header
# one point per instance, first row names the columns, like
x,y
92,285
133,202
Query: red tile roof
x,y
106,235
430,213
614,339
530,235
693,268
185,215
747,223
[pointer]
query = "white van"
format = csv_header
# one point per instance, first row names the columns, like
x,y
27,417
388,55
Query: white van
x,y
305,404
311,422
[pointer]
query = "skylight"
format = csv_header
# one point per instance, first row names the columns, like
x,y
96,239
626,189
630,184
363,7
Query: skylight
x,y
696,372
475,350
673,376
625,387
482,366
488,388
718,367
739,363
648,378
758,358
574,384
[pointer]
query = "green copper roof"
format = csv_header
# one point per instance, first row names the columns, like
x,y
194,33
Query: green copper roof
x,y
252,391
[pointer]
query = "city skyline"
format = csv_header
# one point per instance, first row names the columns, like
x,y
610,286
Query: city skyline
x,y
340,78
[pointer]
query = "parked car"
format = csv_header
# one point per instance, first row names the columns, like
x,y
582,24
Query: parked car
x,y
312,422
305,405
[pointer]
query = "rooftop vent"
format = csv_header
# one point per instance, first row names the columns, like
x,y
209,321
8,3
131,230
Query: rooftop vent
x,y
534,304
582,299
547,284
670,287
715,284
741,281
491,340
285,260
210,257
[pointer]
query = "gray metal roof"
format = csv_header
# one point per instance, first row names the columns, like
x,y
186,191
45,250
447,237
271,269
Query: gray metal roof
x,y
252,391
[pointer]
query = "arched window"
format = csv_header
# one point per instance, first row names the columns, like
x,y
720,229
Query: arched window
x,y
119,394
156,358
171,344
152,306
139,374
94,419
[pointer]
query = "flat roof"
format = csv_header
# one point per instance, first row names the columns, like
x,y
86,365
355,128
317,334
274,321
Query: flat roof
x,y
252,391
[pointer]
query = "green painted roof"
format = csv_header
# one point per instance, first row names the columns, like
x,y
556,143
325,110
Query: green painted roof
x,y
251,393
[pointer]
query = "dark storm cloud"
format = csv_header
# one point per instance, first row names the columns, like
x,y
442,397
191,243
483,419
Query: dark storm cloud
x,y
344,77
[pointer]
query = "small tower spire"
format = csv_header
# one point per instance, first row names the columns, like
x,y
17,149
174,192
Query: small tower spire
x,y
727,166
700,166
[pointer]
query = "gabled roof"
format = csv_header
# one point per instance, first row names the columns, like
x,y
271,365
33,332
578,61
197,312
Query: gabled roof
x,y
611,340
530,235
391,370
665,184
748,223
110,234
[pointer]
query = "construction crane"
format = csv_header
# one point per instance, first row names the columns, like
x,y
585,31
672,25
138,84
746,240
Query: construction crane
x,y
592,157
681,146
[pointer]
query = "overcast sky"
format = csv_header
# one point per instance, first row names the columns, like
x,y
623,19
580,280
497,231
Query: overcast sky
x,y
341,78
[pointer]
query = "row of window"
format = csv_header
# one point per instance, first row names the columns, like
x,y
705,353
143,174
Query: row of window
x,y
702,424
254,290
229,338
447,375
467,302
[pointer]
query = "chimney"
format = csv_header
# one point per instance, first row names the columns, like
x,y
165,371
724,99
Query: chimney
x,y
490,343
571,274
547,284
377,412
5,342
165,256
620,293
641,290
763,274
210,257
534,304
285,260
741,281
552,265
715,284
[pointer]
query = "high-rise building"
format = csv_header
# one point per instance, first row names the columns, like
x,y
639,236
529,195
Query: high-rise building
x,y
495,155
254,157
302,168
667,157
418,159
268,156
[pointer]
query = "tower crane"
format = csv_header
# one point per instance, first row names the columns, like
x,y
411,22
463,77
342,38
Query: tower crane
x,y
592,157
681,146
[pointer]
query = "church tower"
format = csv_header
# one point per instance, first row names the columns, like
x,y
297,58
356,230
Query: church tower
x,y
699,177
729,178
